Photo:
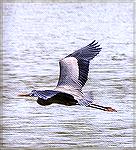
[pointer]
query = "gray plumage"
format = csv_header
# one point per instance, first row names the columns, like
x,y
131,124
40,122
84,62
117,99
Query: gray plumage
x,y
74,70
83,57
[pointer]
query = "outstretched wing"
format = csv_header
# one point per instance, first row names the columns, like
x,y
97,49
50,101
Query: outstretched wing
x,y
74,67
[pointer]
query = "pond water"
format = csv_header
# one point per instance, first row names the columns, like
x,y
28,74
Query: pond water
x,y
35,37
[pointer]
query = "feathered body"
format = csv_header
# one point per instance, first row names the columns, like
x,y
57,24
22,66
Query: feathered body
x,y
74,70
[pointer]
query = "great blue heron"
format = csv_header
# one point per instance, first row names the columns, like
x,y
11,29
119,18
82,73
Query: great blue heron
x,y
74,70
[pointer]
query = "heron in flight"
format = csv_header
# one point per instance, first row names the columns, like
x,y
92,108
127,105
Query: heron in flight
x,y
74,70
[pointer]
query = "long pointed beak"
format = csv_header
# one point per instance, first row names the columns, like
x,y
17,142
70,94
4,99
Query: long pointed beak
x,y
24,94
103,108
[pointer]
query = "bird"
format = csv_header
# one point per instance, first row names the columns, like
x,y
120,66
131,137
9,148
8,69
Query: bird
x,y
74,69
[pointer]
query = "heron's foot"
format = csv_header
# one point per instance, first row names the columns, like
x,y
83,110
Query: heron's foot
x,y
102,108
110,109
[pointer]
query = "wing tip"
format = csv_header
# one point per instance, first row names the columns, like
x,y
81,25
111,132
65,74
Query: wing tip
x,y
94,47
94,44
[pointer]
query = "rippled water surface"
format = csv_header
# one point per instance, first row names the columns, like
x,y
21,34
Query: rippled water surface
x,y
35,37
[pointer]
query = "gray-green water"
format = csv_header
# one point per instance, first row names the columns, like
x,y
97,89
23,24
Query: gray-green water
x,y
35,37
